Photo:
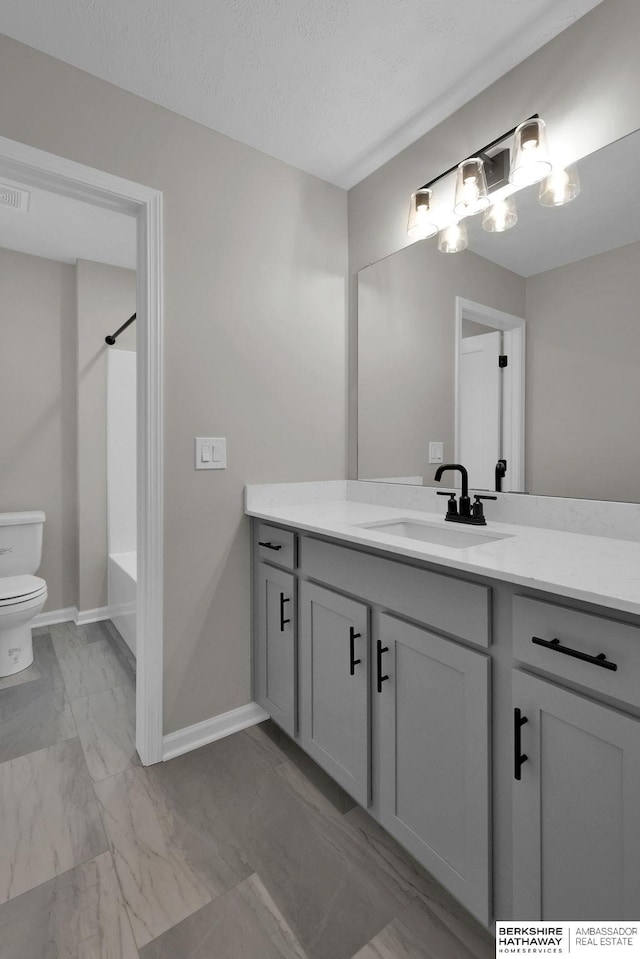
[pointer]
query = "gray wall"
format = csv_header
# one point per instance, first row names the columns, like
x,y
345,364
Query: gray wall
x,y
106,297
583,387
580,83
38,408
406,350
255,342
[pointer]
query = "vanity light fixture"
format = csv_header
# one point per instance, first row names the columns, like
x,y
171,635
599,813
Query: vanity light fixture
x,y
472,195
420,225
453,239
524,153
530,162
488,173
500,216
560,187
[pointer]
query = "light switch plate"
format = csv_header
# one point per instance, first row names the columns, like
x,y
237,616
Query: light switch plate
x,y
210,453
436,452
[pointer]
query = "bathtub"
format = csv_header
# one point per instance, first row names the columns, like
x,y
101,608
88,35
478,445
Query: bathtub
x,y
122,590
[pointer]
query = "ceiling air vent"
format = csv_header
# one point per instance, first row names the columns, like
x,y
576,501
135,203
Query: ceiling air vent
x,y
15,199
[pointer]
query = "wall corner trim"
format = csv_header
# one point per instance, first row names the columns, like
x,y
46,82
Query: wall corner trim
x,y
191,737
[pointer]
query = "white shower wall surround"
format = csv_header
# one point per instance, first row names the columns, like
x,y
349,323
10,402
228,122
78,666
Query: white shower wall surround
x,y
121,492
121,451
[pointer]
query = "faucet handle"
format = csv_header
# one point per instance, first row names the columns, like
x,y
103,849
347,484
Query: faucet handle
x,y
476,510
452,505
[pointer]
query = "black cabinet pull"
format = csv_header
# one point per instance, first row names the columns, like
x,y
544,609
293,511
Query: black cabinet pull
x,y
271,546
599,660
283,599
381,649
353,662
518,756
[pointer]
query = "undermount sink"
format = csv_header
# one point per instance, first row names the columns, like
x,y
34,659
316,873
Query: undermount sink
x,y
454,537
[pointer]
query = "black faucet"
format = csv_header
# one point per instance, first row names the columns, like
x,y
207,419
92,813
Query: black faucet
x,y
462,511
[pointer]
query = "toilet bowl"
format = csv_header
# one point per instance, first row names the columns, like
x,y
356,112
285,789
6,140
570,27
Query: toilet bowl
x,y
20,602
22,595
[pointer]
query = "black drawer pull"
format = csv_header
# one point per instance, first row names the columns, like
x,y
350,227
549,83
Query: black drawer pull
x,y
271,546
599,660
353,662
381,649
518,756
283,599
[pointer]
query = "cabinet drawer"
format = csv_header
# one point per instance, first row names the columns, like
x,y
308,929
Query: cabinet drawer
x,y
446,604
582,633
277,546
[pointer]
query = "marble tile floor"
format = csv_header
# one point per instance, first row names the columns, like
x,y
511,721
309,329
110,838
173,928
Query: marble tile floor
x,y
243,849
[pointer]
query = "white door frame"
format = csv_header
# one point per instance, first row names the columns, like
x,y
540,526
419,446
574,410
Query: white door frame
x,y
54,173
513,396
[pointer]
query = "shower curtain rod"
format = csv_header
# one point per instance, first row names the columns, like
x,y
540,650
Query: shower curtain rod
x,y
110,340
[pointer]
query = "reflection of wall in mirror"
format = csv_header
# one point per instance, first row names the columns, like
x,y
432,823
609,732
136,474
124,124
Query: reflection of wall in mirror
x,y
583,385
406,346
583,344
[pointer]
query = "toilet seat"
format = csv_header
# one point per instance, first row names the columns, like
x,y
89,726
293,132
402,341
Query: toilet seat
x,y
19,589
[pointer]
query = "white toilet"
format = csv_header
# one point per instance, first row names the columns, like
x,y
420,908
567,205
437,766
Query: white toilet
x,y
22,595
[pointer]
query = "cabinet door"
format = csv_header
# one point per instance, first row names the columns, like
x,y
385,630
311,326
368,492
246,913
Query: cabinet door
x,y
434,749
334,686
576,807
276,654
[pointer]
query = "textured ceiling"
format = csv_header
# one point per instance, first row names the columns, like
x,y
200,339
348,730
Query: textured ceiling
x,y
334,87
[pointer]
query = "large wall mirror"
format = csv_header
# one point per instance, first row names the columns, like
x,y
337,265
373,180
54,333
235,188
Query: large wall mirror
x,y
559,294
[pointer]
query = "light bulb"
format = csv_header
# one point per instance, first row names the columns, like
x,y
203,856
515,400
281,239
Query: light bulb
x,y
530,162
501,216
471,188
560,187
453,239
420,225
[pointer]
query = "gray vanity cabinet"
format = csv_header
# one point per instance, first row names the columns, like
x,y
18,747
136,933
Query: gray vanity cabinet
x,y
275,648
334,686
434,755
576,808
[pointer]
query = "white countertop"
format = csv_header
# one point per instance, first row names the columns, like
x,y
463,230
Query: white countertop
x,y
594,569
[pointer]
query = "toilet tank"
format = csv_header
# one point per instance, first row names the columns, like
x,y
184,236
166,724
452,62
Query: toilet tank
x,y
20,542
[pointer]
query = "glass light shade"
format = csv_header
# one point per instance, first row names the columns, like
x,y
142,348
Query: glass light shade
x,y
453,239
530,162
420,224
471,188
560,187
501,216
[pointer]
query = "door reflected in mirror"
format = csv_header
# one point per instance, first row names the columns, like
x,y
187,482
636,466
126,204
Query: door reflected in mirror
x,y
566,422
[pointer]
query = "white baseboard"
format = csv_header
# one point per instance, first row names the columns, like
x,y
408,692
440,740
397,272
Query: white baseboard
x,y
71,614
86,616
54,616
184,740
